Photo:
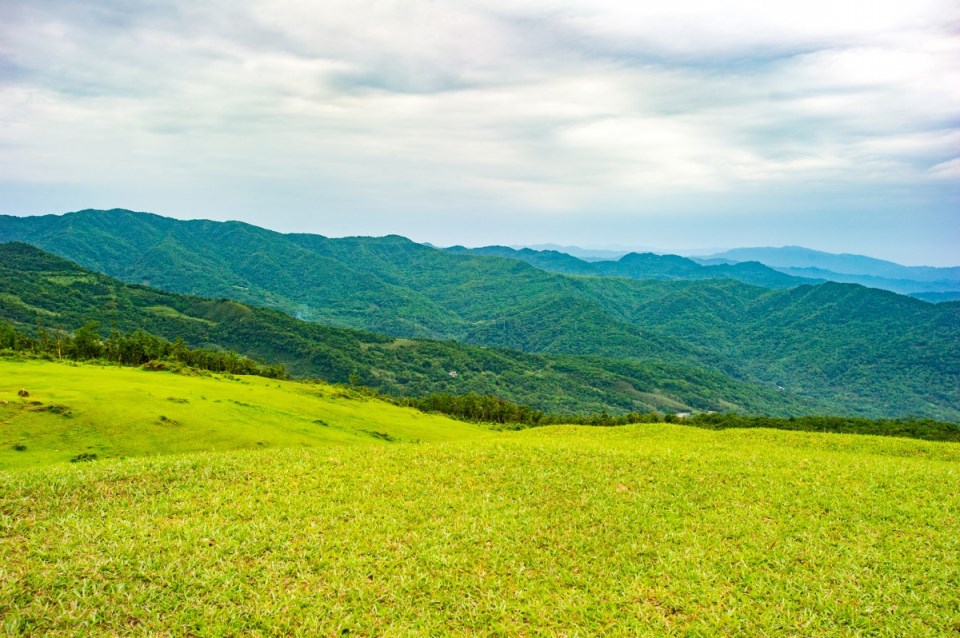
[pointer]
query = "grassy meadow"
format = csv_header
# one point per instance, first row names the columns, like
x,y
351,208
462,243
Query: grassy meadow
x,y
446,528
76,409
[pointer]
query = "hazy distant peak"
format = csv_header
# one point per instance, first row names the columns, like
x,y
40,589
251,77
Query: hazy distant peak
x,y
839,263
586,254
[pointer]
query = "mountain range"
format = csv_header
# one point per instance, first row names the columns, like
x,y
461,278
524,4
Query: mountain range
x,y
847,264
923,282
761,266
42,291
844,348
768,267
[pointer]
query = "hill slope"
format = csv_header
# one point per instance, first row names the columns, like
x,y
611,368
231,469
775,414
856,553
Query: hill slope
x,y
109,412
853,349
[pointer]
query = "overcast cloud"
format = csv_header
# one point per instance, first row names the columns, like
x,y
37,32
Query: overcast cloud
x,y
687,124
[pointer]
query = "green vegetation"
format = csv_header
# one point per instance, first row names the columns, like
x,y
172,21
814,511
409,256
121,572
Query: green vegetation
x,y
48,295
136,501
138,348
490,409
834,348
290,508
925,429
85,412
642,530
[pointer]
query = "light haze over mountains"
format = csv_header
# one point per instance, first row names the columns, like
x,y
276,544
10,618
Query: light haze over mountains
x,y
934,284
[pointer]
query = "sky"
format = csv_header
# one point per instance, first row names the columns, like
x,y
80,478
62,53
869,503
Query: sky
x,y
689,125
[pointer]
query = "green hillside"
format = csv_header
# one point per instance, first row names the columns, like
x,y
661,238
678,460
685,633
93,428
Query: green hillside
x,y
110,412
38,289
888,353
640,530
854,350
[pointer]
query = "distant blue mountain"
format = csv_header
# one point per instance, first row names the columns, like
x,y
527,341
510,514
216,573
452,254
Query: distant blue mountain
x,y
846,268
843,263
937,297
586,254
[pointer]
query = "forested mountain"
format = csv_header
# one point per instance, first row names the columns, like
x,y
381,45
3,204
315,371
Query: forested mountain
x,y
645,266
389,284
39,291
853,349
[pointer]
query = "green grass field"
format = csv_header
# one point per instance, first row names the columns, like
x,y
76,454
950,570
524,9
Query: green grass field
x,y
640,530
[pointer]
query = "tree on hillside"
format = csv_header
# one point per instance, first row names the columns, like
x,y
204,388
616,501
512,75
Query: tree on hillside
x,y
86,341
8,336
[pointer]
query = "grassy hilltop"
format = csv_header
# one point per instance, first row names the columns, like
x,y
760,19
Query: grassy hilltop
x,y
357,517
119,412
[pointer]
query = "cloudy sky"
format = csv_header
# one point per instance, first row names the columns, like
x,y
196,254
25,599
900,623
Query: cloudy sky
x,y
687,124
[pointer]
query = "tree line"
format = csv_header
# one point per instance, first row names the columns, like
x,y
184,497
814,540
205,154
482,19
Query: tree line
x,y
913,428
492,409
137,348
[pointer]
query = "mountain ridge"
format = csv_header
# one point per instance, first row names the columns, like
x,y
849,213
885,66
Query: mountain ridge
x,y
825,342
643,266
929,283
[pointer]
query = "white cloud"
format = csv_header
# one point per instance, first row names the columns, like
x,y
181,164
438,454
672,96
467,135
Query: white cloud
x,y
703,28
947,170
